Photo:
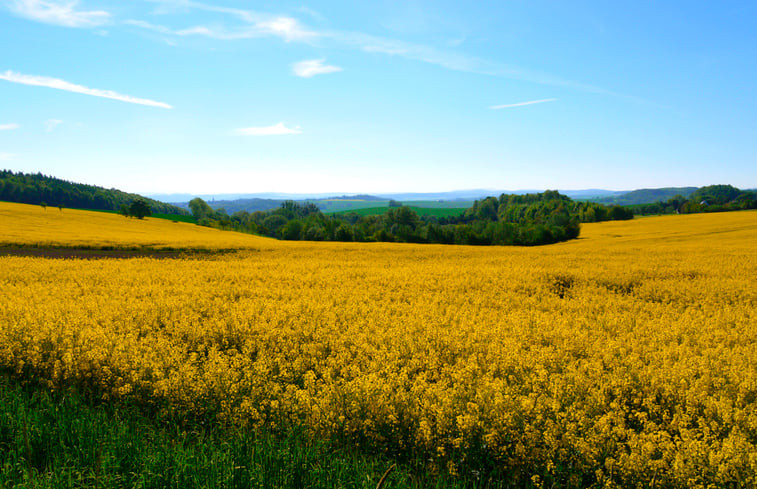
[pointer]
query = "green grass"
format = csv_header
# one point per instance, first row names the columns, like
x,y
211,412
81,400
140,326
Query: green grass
x,y
444,204
64,439
335,206
331,206
169,217
421,211
175,217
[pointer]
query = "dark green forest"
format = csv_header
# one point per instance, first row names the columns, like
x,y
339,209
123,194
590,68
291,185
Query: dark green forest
x,y
645,196
531,219
39,189
712,198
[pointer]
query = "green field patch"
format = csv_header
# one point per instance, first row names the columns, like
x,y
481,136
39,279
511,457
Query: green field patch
x,y
168,217
175,217
421,211
344,200
334,205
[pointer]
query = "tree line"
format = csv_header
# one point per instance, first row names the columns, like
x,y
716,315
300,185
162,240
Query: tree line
x,y
531,219
39,189
712,198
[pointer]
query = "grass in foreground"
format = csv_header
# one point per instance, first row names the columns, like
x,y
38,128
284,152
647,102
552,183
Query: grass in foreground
x,y
52,440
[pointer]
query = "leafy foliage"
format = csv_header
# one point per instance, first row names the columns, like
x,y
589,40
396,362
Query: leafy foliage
x,y
139,209
712,198
531,219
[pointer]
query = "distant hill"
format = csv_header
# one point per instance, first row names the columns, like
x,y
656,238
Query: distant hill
x,y
247,205
475,194
329,203
454,195
37,189
646,196
712,198
232,203
280,196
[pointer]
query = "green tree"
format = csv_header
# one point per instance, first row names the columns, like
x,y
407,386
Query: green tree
x,y
402,216
139,209
620,213
200,209
343,233
676,202
273,223
292,230
315,233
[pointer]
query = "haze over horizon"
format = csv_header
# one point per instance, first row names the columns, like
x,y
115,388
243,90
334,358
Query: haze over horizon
x,y
222,97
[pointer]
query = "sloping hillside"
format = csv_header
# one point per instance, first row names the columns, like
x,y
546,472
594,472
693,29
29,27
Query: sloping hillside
x,y
27,225
42,189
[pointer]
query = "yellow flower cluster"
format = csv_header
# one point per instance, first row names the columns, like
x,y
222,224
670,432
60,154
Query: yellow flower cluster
x,y
629,354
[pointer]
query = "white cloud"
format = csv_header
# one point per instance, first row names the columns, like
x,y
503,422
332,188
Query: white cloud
x,y
285,28
275,130
312,67
8,127
44,81
256,24
62,13
253,24
51,124
521,104
6,156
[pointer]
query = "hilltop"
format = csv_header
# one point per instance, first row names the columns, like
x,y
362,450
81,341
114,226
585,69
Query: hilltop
x,y
39,189
457,199
645,196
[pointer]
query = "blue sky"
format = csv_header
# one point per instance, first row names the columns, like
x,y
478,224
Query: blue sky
x,y
161,96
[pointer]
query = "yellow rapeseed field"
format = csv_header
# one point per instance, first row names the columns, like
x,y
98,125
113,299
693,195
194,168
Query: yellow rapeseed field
x,y
627,357
36,226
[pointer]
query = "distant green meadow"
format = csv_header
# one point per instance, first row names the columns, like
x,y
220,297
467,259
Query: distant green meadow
x,y
376,208
421,211
332,206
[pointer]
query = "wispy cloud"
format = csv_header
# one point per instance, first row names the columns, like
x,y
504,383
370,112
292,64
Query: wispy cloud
x,y
312,67
287,28
252,24
6,156
275,130
283,27
521,104
8,127
44,81
63,13
147,25
51,124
